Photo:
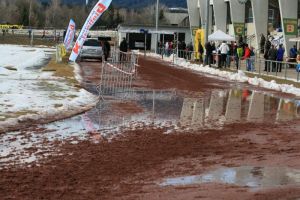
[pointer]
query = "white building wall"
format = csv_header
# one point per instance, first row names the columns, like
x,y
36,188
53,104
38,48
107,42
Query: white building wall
x,y
220,12
288,10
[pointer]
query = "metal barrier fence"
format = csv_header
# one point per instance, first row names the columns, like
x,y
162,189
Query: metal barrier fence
x,y
117,75
281,69
254,64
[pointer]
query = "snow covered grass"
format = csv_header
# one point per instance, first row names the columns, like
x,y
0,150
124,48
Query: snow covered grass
x,y
28,94
239,76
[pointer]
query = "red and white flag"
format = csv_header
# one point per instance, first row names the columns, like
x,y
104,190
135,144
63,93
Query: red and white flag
x,y
95,14
70,34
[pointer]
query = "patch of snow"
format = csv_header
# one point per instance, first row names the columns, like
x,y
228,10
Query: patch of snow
x,y
34,94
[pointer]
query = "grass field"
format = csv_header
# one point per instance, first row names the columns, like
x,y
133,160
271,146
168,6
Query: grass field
x,y
25,40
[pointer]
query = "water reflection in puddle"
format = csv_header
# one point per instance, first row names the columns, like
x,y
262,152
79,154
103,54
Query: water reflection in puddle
x,y
253,177
167,109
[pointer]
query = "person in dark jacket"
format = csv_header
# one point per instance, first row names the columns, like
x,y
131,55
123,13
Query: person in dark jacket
x,y
200,51
183,46
280,54
272,57
266,55
262,43
209,51
235,55
190,50
123,49
106,49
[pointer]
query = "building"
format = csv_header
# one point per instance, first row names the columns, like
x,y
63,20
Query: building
x,y
177,17
176,26
248,18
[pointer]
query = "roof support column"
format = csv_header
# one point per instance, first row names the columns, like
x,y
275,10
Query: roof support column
x,y
220,12
237,11
289,22
194,15
260,18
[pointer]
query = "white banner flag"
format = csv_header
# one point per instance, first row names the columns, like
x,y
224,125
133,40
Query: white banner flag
x,y
95,14
70,35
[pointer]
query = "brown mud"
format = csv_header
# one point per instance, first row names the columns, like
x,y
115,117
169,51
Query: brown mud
x,y
134,164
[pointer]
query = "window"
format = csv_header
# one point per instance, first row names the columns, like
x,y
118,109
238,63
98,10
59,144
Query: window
x,y
248,12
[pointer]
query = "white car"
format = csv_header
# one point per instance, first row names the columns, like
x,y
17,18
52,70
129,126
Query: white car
x,y
91,49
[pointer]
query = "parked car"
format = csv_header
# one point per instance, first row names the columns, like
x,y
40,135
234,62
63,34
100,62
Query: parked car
x,y
91,49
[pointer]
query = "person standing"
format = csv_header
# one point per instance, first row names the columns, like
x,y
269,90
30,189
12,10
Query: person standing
x,y
272,55
252,59
208,56
266,55
190,49
167,48
184,49
106,49
236,56
262,43
293,54
247,57
229,55
224,51
280,54
200,51
123,49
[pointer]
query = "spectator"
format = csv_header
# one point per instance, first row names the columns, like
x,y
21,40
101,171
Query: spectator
x,y
280,54
170,50
209,52
190,50
229,55
183,46
123,49
200,51
266,55
246,57
106,49
240,51
293,54
252,59
167,48
224,51
262,43
272,55
236,56
180,52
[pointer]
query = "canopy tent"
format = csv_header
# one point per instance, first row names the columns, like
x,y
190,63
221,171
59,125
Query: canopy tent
x,y
294,39
220,36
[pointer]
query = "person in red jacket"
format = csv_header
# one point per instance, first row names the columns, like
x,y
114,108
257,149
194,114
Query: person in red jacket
x,y
247,57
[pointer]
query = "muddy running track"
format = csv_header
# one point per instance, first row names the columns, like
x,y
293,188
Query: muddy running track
x,y
242,160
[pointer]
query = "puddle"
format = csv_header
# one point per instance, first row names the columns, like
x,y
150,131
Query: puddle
x,y
166,109
246,176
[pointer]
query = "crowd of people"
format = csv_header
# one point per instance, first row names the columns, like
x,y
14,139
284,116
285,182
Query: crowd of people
x,y
225,53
